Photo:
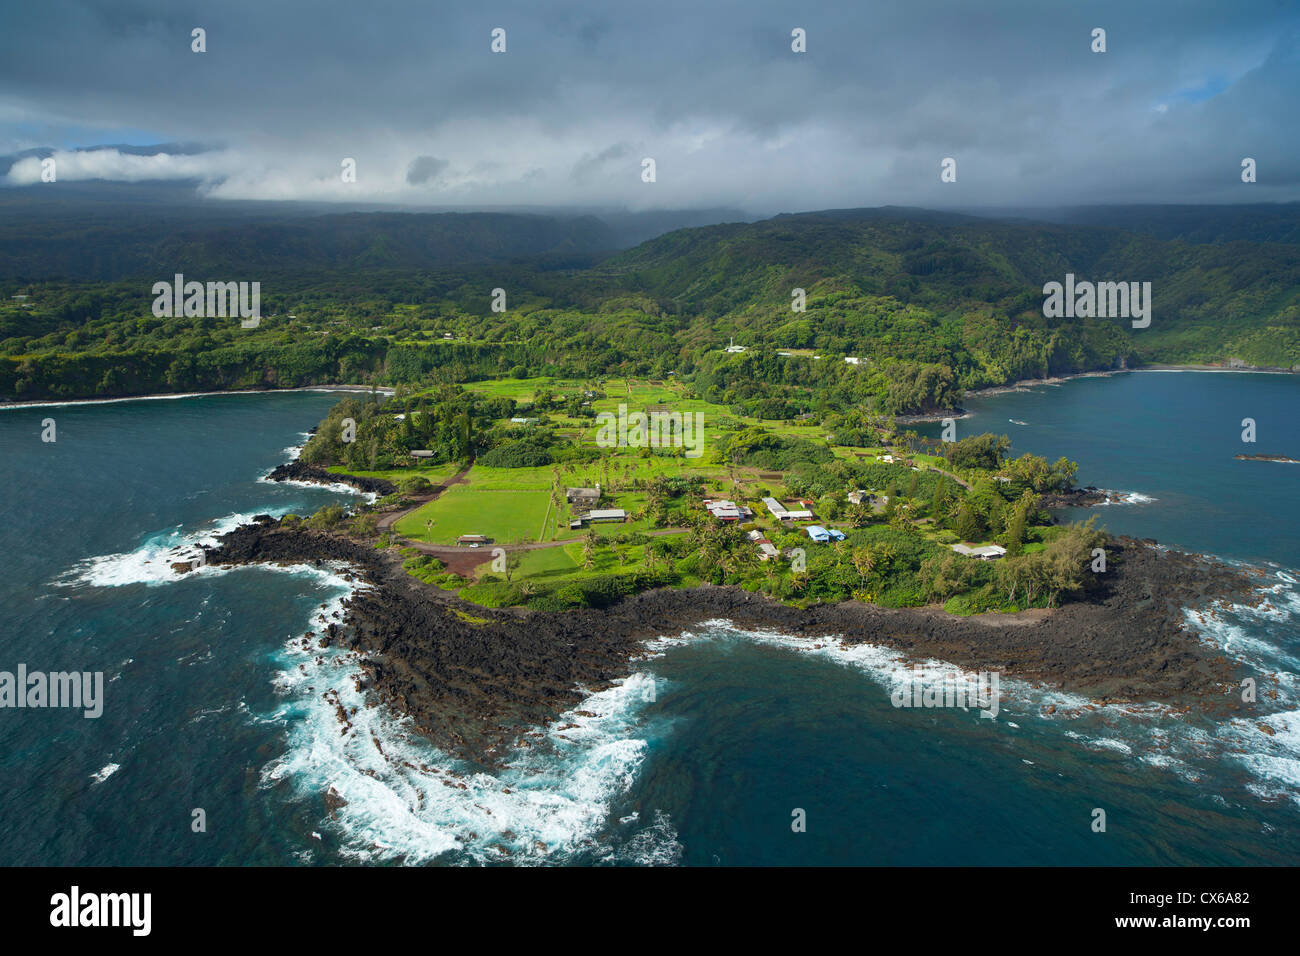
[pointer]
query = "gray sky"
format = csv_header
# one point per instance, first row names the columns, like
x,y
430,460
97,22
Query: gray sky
x,y
710,90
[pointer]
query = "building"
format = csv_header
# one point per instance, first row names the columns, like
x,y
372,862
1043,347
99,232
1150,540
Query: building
x,y
525,421
582,496
422,453
473,539
727,510
733,347
756,536
767,551
605,514
818,533
988,552
852,360
781,513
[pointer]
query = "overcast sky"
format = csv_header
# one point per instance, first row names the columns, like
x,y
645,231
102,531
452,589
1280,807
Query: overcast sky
x,y
710,90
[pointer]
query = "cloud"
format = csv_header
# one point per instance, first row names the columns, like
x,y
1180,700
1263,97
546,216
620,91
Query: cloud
x,y
424,169
112,164
713,93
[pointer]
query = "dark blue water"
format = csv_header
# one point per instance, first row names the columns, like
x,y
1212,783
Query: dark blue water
x,y
700,758
1170,436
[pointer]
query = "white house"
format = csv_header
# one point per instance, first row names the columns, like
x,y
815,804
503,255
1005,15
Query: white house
x,y
989,552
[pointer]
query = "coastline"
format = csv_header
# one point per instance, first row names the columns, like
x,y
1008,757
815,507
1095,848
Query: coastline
x,y
165,396
1025,384
474,679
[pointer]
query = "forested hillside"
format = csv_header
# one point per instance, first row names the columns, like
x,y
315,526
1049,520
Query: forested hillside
x,y
929,303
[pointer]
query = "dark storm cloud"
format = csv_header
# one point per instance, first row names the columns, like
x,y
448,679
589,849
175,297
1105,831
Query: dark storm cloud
x,y
711,91
425,169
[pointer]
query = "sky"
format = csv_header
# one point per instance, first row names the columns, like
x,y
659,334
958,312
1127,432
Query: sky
x,y
711,91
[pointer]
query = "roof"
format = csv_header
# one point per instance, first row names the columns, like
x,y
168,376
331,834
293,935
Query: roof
x,y
472,537
984,551
605,513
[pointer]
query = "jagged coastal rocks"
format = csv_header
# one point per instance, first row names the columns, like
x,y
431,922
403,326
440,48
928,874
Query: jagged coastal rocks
x,y
298,471
475,679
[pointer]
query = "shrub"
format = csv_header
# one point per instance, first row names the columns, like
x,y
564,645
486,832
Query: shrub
x,y
517,454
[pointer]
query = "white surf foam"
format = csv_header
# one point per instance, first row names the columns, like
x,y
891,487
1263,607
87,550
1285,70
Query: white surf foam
x,y
151,563
405,800
1127,498
1155,734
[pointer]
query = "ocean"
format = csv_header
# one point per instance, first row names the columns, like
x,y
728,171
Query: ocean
x,y
219,742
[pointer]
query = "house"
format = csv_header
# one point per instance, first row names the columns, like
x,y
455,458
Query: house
x,y
525,421
988,552
852,360
447,335
755,536
767,551
605,514
864,497
781,513
818,533
733,347
472,539
582,496
887,459
1002,480
725,510
422,453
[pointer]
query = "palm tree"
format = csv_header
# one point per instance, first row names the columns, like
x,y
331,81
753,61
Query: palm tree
x,y
865,562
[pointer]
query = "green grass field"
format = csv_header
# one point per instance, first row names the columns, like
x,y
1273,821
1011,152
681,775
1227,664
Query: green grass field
x,y
505,516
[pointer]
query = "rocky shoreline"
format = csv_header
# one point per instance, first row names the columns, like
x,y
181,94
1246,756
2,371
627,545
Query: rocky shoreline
x,y
474,680
1080,498
297,471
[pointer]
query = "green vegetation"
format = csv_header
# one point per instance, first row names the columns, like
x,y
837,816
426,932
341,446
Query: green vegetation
x,y
930,306
912,500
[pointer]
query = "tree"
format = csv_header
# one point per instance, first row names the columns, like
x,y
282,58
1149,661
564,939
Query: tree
x,y
864,561
968,526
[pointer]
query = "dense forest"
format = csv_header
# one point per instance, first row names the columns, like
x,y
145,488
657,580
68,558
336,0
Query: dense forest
x,y
928,304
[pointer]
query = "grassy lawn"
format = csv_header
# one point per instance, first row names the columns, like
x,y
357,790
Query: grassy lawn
x,y
433,473
507,517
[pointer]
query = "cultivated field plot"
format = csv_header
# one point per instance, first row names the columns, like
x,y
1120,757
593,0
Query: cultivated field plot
x,y
506,516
